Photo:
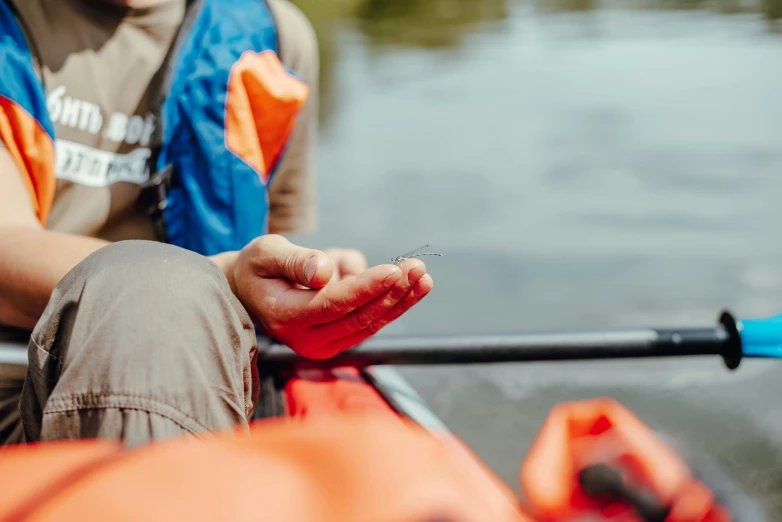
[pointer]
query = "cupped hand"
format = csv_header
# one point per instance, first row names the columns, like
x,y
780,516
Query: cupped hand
x,y
298,296
346,262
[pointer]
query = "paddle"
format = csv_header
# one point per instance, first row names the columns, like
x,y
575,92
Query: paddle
x,y
731,339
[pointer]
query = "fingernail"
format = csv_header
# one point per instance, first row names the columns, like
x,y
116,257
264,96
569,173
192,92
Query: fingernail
x,y
392,278
415,274
310,267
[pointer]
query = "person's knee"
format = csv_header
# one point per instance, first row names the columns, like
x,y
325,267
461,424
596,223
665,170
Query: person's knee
x,y
158,274
135,291
147,266
144,327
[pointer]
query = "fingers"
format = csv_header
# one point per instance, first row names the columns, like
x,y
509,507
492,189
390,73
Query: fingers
x,y
274,256
419,291
342,297
347,261
362,316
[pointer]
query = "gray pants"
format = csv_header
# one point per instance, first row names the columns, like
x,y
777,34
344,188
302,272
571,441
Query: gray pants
x,y
140,341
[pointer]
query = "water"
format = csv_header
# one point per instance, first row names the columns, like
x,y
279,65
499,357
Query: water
x,y
580,164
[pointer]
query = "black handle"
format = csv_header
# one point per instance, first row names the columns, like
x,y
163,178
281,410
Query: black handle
x,y
604,481
722,339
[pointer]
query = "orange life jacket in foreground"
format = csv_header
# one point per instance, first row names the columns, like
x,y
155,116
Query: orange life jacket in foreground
x,y
345,470
347,461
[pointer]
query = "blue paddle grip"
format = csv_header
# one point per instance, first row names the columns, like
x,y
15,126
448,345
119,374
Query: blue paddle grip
x,y
761,337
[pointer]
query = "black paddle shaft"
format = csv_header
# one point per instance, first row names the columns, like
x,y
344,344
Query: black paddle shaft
x,y
720,340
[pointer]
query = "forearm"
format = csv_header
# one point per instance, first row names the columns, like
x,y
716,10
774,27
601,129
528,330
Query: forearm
x,y
32,262
33,259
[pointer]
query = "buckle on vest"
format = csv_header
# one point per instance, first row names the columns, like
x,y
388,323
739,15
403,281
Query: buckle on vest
x,y
152,197
153,200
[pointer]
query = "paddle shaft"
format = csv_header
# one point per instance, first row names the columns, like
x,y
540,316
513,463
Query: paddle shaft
x,y
717,340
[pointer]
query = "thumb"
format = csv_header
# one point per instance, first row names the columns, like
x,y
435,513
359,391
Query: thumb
x,y
275,256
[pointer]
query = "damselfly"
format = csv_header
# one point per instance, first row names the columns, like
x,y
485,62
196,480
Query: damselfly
x,y
413,253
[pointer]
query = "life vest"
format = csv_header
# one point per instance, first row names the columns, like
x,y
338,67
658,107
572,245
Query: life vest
x,y
595,458
27,130
228,109
348,469
225,115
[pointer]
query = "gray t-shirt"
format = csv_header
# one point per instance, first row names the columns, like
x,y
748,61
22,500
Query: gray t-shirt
x,y
99,63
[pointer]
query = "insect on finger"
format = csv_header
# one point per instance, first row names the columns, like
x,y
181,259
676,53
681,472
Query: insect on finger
x,y
414,253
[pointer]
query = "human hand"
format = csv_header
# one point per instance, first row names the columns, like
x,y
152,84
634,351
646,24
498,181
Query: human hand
x,y
346,262
330,314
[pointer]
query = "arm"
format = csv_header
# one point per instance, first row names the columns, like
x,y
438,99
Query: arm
x,y
32,259
289,291
291,193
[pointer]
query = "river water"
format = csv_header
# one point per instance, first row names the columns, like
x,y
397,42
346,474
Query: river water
x,y
581,165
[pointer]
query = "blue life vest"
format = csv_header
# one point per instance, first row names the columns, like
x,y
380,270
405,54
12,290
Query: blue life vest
x,y
216,201
208,192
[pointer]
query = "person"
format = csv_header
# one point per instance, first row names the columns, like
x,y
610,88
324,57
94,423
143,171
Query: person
x,y
144,316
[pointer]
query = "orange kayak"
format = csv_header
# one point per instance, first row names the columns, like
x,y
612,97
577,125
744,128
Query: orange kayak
x,y
359,444
327,445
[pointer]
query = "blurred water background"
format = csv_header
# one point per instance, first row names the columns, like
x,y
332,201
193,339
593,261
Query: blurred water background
x,y
582,164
